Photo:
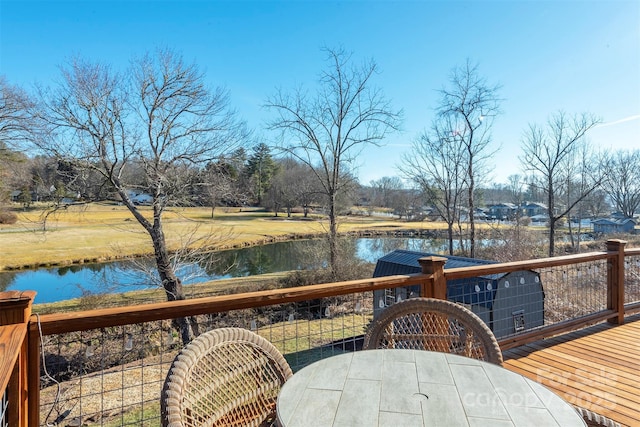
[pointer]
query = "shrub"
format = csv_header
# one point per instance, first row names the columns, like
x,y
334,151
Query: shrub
x,y
7,217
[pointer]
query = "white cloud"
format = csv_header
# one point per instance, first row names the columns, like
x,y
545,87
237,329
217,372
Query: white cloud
x,y
617,122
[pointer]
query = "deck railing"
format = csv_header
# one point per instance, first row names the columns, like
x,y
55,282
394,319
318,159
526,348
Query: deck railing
x,y
107,366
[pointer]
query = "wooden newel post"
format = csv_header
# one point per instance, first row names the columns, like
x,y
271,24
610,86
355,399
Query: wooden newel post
x,y
437,286
15,309
615,280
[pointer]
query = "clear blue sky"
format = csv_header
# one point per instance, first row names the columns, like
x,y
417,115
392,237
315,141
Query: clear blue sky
x,y
575,56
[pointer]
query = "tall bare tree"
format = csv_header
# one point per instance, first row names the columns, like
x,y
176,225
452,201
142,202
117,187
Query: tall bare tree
x,y
584,173
436,164
623,182
17,124
160,116
327,131
471,104
548,152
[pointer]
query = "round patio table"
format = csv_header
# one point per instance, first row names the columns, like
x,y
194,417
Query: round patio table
x,y
416,388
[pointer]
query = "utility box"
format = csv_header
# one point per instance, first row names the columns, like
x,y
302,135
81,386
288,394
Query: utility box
x,y
508,302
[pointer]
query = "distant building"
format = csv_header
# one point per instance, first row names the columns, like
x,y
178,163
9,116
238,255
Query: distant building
x,y
532,209
609,225
503,211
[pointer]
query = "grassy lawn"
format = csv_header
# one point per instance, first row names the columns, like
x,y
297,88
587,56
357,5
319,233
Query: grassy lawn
x,y
102,232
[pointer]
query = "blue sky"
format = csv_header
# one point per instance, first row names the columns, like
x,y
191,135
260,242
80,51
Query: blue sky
x,y
575,56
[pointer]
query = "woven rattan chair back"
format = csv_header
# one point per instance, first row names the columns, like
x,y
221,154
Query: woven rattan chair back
x,y
594,419
435,325
225,377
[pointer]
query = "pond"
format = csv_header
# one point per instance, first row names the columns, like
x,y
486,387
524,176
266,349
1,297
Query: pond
x,y
57,284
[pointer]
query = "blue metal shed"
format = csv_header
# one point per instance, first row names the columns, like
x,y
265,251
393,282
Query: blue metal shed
x,y
508,302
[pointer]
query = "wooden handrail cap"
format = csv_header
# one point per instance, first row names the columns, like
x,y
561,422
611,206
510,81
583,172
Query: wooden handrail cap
x,y
17,296
432,258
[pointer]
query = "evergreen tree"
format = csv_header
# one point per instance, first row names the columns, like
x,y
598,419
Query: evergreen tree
x,y
260,170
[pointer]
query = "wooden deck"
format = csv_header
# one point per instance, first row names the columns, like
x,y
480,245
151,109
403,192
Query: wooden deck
x,y
597,368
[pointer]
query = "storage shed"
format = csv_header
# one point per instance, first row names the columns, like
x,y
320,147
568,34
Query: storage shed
x,y
507,302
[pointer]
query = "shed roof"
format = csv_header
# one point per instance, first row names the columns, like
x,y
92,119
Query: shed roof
x,y
608,221
402,261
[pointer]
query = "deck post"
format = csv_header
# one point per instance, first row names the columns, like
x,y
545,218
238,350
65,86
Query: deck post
x,y
437,286
15,308
615,280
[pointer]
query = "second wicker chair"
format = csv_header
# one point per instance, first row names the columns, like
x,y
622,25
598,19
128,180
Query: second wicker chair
x,y
435,325
225,377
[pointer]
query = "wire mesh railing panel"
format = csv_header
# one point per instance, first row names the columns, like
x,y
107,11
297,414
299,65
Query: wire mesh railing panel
x,y
113,376
513,302
507,303
632,279
4,406
311,330
574,290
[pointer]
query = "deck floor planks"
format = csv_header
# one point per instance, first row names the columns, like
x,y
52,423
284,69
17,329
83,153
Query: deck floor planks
x,y
564,361
581,389
596,367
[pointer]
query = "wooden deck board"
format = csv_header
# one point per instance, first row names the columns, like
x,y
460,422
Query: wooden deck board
x,y
597,368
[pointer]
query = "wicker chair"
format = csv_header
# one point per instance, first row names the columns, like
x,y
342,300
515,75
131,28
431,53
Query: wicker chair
x,y
436,325
225,377
596,420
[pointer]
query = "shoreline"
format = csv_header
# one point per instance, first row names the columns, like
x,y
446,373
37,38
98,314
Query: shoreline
x,y
400,232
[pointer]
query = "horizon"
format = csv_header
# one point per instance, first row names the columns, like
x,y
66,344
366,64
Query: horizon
x,y
571,56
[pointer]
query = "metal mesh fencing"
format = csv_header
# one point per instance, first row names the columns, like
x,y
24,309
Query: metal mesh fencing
x,y
113,376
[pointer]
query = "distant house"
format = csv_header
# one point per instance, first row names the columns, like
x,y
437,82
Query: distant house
x,y
532,209
608,225
503,211
15,195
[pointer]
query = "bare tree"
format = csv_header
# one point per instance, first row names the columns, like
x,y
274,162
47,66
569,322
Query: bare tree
x,y
218,184
328,130
584,174
16,119
548,152
436,164
384,190
292,185
16,126
160,116
470,104
623,182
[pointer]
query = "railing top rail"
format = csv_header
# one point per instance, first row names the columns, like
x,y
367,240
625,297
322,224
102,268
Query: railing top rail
x,y
632,252
462,272
117,316
11,339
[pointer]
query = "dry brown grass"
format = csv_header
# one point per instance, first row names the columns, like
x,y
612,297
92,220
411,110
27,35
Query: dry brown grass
x,y
102,232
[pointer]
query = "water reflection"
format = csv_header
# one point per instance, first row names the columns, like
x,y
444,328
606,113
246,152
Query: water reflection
x,y
74,281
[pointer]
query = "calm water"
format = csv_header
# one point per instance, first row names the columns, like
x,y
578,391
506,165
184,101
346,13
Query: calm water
x,y
62,283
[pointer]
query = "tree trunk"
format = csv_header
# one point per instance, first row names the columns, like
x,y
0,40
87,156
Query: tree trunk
x,y
171,284
552,235
472,221
552,218
333,236
450,236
